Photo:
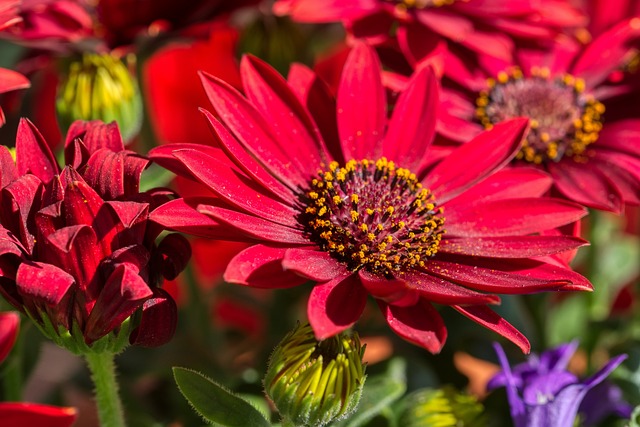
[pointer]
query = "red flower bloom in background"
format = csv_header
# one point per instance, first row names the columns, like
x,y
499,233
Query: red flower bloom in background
x,y
10,80
77,250
484,26
18,414
592,155
358,213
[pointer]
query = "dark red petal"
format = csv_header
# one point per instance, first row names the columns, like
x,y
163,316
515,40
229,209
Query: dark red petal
x,y
361,105
8,171
247,163
313,264
255,227
9,327
336,305
123,293
20,414
176,252
419,324
511,246
163,155
392,291
115,175
81,202
253,131
181,215
235,188
475,160
442,291
484,316
95,135
511,217
260,266
158,321
412,126
504,277
290,121
586,185
33,154
508,183
20,200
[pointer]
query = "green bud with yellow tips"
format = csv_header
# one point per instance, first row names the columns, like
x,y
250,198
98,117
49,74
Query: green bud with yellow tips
x,y
100,87
313,383
443,407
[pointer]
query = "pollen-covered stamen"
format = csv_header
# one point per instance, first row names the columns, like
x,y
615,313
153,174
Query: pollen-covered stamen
x,y
404,5
563,119
373,215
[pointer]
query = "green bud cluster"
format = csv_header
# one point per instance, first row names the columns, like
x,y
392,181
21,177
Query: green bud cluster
x,y
100,87
443,407
313,383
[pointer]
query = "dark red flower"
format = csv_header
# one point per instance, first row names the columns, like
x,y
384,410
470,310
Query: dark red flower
x,y
78,253
357,212
592,152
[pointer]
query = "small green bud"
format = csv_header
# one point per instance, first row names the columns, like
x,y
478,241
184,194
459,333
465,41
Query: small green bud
x,y
444,407
100,87
313,383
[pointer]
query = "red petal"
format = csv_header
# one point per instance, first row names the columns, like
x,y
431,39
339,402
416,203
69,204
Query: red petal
x,y
412,126
123,293
313,264
336,305
115,175
9,327
511,217
253,131
8,171
484,316
475,160
419,324
511,246
19,414
392,291
443,291
361,105
260,266
176,252
254,227
33,154
158,321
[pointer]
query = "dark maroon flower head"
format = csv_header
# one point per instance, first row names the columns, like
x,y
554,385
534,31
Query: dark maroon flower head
x,y
78,252
335,191
590,148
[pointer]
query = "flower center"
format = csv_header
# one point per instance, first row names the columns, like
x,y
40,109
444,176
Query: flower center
x,y
373,215
404,5
563,120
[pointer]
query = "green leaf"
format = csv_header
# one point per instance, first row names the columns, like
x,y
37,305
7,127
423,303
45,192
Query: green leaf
x,y
379,393
635,417
155,176
215,403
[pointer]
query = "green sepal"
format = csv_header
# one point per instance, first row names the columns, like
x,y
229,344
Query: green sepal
x,y
216,403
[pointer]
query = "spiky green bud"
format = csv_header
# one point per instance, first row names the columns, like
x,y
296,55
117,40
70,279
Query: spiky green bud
x,y
443,407
313,383
100,87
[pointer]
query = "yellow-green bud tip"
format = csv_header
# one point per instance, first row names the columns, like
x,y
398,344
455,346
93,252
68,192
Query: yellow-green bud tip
x,y
444,407
313,383
100,87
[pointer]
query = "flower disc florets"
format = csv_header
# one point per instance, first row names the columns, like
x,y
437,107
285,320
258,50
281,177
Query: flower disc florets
x,y
564,121
373,215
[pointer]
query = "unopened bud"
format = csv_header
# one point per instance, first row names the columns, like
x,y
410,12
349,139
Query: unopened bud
x,y
444,407
313,383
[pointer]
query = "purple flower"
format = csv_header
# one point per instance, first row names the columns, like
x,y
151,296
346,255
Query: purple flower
x,y
542,392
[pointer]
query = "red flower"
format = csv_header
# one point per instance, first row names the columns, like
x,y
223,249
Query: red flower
x,y
10,80
77,250
9,13
480,26
18,414
591,150
356,211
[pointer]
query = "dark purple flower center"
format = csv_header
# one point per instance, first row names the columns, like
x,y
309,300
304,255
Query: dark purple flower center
x,y
405,5
564,120
373,215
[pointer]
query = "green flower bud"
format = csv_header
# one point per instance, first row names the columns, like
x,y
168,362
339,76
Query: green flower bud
x,y
444,407
100,87
313,383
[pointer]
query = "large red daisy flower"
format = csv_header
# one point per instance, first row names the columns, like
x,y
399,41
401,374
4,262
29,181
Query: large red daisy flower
x,y
357,212
565,93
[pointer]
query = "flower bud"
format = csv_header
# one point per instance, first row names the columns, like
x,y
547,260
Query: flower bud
x,y
100,87
443,407
313,383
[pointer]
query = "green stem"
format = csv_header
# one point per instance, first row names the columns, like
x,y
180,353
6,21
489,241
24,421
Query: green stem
x,y
12,372
103,373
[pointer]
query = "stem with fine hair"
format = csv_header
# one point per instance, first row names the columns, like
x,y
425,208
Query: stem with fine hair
x,y
103,374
